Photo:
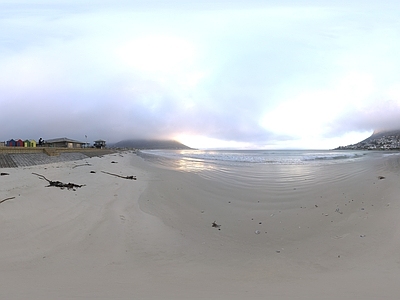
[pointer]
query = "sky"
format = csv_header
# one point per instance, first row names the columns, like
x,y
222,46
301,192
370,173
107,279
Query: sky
x,y
246,74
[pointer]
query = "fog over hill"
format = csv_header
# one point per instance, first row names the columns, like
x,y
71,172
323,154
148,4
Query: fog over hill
x,y
149,144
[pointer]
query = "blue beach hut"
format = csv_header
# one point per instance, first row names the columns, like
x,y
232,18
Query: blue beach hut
x,y
11,143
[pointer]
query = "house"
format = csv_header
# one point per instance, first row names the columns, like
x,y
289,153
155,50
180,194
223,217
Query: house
x,y
100,144
2,144
63,143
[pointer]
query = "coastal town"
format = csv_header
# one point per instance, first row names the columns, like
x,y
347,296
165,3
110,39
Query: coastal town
x,y
378,141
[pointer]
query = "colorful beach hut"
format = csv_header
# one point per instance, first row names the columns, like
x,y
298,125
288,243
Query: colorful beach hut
x,y
19,143
32,143
11,143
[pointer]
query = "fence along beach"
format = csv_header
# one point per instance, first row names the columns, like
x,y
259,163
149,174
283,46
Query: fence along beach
x,y
279,231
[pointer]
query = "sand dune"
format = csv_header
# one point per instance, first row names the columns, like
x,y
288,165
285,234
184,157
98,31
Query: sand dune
x,y
335,236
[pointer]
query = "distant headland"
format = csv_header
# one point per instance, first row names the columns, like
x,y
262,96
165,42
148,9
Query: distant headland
x,y
379,140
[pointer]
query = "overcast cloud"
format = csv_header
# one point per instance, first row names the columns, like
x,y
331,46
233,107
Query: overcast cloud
x,y
248,74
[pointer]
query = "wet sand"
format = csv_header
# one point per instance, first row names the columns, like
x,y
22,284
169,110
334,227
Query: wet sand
x,y
328,232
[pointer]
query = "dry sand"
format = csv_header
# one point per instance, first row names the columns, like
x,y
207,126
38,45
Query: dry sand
x,y
335,236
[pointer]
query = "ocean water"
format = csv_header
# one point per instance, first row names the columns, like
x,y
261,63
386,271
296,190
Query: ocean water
x,y
270,176
242,157
259,166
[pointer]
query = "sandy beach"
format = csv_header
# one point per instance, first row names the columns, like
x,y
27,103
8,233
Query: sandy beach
x,y
334,234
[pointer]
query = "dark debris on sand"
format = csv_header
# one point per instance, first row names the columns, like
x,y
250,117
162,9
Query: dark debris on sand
x,y
60,184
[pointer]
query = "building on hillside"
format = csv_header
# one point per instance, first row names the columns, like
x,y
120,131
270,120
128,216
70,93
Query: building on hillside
x,y
63,143
100,144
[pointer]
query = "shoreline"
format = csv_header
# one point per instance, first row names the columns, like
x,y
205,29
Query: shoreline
x,y
152,238
338,228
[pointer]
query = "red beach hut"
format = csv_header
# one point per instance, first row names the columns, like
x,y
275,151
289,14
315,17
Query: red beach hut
x,y
19,143
11,143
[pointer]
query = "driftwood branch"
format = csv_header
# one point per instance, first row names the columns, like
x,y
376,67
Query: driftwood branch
x,y
60,184
7,199
42,177
120,176
87,164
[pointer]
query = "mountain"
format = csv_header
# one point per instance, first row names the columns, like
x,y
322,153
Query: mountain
x,y
378,134
149,144
379,140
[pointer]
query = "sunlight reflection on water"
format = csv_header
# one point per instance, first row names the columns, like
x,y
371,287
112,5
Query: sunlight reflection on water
x,y
255,180
191,165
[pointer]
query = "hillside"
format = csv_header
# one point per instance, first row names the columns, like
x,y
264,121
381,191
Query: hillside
x,y
378,134
379,140
149,144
